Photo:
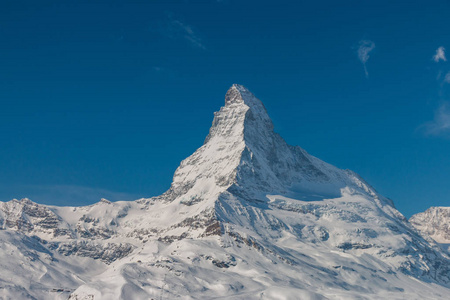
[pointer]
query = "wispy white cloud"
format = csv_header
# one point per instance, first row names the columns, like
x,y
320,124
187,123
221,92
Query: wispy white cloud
x,y
447,78
176,29
440,125
440,54
365,47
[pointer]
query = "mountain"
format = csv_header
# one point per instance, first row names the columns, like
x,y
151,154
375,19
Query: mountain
x,y
247,216
434,222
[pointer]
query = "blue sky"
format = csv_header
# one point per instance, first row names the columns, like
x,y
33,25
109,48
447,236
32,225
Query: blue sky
x,y
105,98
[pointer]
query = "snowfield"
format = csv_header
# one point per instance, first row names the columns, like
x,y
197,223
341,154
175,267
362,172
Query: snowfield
x,y
247,217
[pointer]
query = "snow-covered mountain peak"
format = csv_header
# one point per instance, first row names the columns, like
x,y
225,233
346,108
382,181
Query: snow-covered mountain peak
x,y
240,107
242,153
434,222
247,216
238,94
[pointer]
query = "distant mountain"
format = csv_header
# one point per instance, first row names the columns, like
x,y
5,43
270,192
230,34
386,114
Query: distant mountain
x,y
247,216
434,222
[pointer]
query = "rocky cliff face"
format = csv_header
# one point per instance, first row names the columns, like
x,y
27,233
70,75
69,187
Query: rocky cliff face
x,y
434,222
247,216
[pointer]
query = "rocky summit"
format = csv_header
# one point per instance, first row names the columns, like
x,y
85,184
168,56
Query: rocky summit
x,y
247,216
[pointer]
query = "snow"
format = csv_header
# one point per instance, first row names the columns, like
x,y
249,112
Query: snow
x,y
434,222
247,216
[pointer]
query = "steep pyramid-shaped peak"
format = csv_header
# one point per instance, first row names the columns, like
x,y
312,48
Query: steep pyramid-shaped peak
x,y
212,168
242,109
239,94
243,154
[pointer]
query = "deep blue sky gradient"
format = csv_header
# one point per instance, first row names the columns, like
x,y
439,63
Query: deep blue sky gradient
x,y
105,98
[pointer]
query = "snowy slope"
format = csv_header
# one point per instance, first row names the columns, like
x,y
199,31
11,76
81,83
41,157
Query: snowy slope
x,y
247,216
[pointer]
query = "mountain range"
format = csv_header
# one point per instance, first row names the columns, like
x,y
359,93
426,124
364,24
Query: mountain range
x,y
247,216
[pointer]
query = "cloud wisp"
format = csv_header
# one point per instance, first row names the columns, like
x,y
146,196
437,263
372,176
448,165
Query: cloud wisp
x,y
365,47
178,30
440,54
440,125
447,78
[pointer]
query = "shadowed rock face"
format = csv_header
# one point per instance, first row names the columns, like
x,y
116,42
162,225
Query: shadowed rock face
x,y
246,214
